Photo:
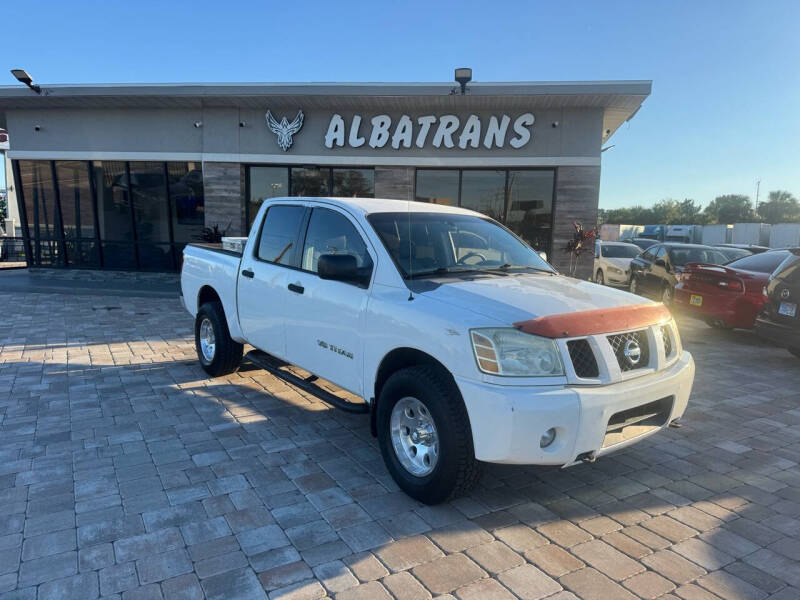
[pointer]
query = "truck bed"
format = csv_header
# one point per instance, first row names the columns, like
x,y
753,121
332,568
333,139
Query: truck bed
x,y
215,248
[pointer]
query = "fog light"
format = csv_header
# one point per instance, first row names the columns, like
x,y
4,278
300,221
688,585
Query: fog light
x,y
547,438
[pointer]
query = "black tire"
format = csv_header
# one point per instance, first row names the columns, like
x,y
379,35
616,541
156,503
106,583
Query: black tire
x,y
456,471
718,324
635,286
227,353
598,278
795,351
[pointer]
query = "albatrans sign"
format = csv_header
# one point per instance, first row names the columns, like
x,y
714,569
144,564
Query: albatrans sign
x,y
444,130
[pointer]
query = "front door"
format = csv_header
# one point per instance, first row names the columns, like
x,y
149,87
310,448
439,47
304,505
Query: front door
x,y
324,320
266,268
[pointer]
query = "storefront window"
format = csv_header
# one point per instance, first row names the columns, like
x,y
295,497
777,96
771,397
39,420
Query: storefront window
x,y
530,206
484,192
77,212
437,186
114,215
354,183
310,181
522,199
263,183
187,201
111,214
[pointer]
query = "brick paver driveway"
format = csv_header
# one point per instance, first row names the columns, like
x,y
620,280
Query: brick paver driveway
x,y
124,471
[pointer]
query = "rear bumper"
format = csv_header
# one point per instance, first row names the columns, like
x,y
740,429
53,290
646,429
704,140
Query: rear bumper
x,y
508,421
779,334
736,311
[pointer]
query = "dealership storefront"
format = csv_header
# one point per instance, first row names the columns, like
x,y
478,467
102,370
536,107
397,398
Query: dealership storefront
x,y
122,177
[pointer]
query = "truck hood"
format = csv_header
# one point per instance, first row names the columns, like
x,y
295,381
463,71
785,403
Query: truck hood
x,y
518,297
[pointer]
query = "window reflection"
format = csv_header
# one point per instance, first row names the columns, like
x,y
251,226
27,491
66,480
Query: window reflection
x,y
484,192
114,215
530,207
354,183
43,218
437,186
77,212
310,181
263,183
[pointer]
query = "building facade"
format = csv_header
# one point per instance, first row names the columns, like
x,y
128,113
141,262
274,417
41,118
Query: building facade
x,y
122,177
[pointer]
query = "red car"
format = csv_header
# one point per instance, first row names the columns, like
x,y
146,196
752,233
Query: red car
x,y
728,295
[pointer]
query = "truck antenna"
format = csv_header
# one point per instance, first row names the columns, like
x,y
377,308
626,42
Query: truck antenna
x,y
410,257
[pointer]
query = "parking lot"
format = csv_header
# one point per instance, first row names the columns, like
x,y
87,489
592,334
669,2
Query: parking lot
x,y
125,472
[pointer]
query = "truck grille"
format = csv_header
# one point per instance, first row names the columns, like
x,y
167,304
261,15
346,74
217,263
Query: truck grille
x,y
665,335
627,356
583,358
636,421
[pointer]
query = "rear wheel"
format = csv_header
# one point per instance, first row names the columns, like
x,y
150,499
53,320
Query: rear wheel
x,y
425,436
599,277
218,353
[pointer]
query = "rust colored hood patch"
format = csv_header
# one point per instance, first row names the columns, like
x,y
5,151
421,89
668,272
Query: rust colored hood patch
x,y
600,320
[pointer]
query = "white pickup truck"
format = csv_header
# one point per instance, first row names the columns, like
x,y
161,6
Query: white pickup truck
x,y
462,344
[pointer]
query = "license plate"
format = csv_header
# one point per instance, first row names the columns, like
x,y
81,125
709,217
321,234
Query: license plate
x,y
696,300
788,308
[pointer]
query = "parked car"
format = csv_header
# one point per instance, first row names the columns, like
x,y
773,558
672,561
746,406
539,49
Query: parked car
x,y
733,253
457,339
751,248
779,321
643,243
612,262
730,295
655,271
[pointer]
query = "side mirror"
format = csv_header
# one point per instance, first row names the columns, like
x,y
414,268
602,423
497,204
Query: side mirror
x,y
340,267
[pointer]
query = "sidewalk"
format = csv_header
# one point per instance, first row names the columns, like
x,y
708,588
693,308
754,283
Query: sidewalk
x,y
77,282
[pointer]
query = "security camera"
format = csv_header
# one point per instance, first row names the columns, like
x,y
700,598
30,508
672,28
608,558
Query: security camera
x,y
37,128
555,124
608,132
198,124
242,123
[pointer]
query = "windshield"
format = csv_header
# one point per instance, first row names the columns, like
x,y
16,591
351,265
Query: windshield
x,y
734,253
766,262
682,256
619,251
450,243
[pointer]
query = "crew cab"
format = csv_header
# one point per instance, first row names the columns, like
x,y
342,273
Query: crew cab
x,y
461,343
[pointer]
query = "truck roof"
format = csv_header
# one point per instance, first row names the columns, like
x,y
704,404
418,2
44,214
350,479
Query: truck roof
x,y
380,205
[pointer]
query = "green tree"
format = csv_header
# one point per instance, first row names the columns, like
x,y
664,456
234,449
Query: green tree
x,y
730,208
3,208
780,208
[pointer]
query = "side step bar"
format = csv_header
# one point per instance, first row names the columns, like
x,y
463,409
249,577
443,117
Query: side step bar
x,y
273,365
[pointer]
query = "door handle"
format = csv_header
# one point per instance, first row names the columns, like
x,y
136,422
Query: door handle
x,y
248,273
297,289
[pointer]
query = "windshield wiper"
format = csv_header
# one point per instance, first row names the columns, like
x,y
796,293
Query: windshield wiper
x,y
442,271
507,267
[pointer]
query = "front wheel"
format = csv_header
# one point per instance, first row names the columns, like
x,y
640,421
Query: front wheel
x,y
599,279
425,436
635,287
219,354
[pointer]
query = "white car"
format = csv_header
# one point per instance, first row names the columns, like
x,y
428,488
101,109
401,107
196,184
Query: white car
x,y
457,339
612,262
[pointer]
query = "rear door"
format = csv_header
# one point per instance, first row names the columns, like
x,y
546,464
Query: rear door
x,y
324,318
263,294
658,274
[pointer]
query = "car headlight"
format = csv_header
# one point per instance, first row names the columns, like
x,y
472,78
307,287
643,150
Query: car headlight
x,y
512,353
615,270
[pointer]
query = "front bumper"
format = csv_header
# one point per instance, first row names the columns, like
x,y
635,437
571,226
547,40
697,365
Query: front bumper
x,y
508,421
618,279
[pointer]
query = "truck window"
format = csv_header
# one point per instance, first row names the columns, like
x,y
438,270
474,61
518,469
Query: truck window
x,y
278,235
330,232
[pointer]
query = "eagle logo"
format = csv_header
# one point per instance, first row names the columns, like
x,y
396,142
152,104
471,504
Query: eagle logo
x,y
285,130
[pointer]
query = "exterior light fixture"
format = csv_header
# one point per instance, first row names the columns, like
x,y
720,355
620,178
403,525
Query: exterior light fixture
x,y
22,76
463,77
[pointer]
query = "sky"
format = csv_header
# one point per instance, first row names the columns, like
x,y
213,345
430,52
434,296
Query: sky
x,y
724,111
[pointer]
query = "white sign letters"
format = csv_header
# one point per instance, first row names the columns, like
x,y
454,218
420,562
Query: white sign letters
x,y
445,130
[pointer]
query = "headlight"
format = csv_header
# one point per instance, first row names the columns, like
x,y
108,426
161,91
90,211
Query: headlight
x,y
512,353
615,270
